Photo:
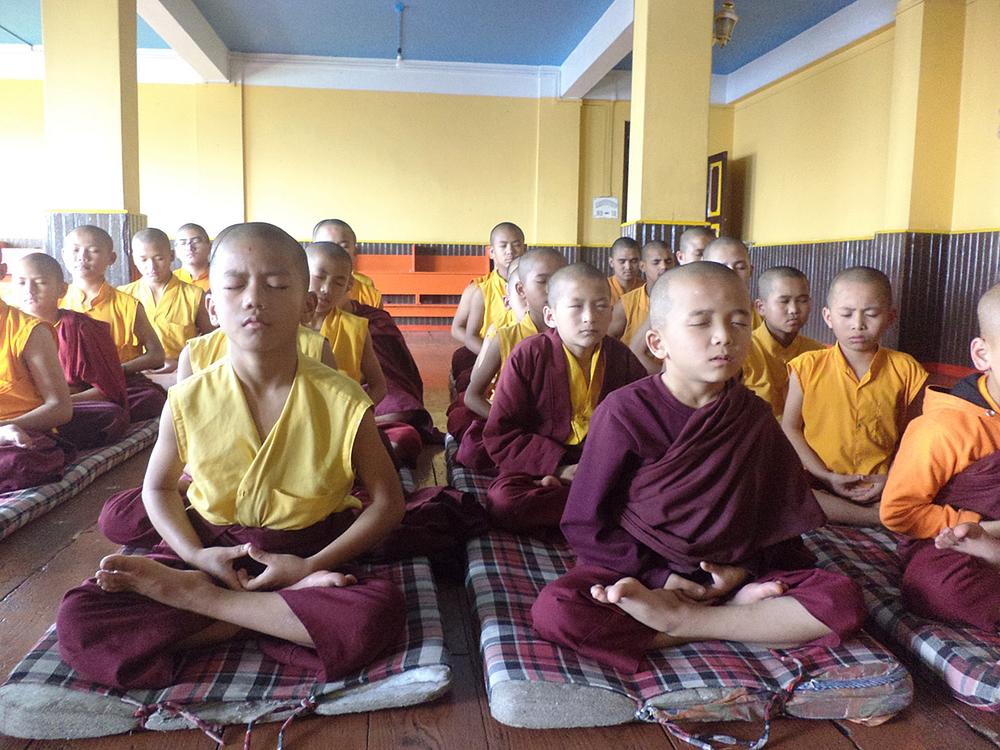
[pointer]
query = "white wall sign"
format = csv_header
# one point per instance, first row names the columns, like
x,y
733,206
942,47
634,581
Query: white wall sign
x,y
606,207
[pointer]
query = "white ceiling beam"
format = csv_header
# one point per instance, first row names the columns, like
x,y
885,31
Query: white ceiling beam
x,y
184,28
603,47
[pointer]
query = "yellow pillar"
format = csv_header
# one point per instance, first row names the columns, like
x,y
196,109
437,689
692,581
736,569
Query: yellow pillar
x,y
91,109
557,172
923,114
668,140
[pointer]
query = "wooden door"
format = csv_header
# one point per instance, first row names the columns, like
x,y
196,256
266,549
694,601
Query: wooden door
x,y
717,194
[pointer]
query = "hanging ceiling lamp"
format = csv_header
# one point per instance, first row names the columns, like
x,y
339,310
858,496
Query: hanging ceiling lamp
x,y
722,26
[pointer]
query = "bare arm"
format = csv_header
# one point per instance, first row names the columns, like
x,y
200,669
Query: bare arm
x,y
618,321
461,319
477,311
184,365
792,423
152,356
41,357
371,371
483,374
202,321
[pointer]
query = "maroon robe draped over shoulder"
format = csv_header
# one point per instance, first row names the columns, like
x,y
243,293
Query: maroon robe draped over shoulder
x,y
529,423
89,359
661,487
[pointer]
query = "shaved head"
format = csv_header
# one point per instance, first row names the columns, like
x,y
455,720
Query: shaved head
x,y
723,247
44,265
152,236
507,227
862,275
767,279
339,224
988,314
695,235
191,227
527,262
96,234
624,243
574,273
693,274
275,238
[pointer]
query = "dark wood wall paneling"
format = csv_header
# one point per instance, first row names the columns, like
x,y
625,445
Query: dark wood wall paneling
x,y
936,278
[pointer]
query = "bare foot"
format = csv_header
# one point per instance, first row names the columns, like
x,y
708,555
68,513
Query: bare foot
x,y
756,592
549,481
324,579
664,610
176,588
970,539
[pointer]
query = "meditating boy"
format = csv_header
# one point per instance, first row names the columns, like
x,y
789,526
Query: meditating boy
x,y
193,248
692,243
175,308
339,232
625,276
848,405
783,301
548,389
683,528
88,252
533,272
487,304
733,254
631,311
86,353
942,492
34,398
267,540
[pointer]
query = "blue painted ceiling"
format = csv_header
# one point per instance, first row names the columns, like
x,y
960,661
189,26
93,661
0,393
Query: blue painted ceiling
x,y
526,32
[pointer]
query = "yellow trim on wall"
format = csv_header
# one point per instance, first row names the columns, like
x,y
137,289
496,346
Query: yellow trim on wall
x,y
99,211
698,223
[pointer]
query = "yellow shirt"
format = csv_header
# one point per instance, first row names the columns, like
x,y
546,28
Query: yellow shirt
x,y
583,395
364,290
201,282
18,394
206,350
854,426
115,308
766,370
173,318
294,477
636,304
495,309
347,334
513,334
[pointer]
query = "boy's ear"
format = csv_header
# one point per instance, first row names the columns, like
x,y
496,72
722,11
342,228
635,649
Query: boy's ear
x,y
63,286
519,290
655,344
827,317
980,352
758,305
309,309
548,314
210,306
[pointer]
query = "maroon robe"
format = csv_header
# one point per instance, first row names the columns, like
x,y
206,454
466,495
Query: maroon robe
x,y
529,422
661,487
89,359
42,463
125,640
945,584
404,386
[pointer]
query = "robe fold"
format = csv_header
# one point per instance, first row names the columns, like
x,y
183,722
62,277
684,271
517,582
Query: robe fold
x,y
42,463
145,398
947,472
89,359
661,487
530,422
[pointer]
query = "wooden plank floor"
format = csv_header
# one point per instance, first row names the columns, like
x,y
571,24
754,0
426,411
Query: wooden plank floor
x,y
38,563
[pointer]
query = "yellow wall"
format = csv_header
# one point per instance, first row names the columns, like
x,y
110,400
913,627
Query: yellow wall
x,y
22,154
977,170
814,148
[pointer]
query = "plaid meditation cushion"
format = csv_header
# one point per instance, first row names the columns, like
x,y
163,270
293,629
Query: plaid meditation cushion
x,y
19,507
534,683
968,660
463,479
43,698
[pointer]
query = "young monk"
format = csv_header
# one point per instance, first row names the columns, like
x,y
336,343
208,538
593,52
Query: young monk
x,y
175,308
942,491
330,280
266,543
682,528
531,286
487,302
193,248
34,398
631,311
339,232
87,355
546,393
692,243
730,252
88,252
848,405
625,262
784,302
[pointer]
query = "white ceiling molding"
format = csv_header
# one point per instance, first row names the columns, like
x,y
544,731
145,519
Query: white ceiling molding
x,y
181,25
603,47
18,62
411,76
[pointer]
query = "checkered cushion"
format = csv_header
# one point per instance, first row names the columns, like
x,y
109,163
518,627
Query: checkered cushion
x,y
968,660
463,479
45,698
407,479
19,507
707,681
